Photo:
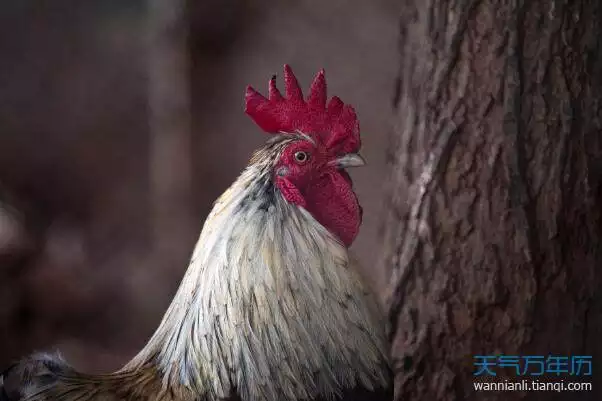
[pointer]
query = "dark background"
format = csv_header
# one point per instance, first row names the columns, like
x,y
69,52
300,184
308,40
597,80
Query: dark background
x,y
79,271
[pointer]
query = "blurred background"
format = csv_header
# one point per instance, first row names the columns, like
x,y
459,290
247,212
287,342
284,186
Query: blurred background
x,y
121,121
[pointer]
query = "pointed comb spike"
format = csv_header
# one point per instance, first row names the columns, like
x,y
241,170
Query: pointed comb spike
x,y
335,125
317,91
346,133
255,106
253,99
291,85
251,93
274,93
335,106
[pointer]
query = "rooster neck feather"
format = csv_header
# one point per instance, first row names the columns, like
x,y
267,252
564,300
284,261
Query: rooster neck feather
x,y
269,307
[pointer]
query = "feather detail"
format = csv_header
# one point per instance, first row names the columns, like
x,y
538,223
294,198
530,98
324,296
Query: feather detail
x,y
47,377
269,307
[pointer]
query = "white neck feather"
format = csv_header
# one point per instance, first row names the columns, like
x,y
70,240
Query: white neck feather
x,y
268,307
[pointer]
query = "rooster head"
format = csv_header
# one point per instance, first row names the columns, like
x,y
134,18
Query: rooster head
x,y
310,170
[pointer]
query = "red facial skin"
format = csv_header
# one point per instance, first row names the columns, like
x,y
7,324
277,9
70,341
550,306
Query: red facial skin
x,y
323,190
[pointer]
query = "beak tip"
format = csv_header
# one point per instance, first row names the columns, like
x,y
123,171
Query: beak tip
x,y
362,159
351,160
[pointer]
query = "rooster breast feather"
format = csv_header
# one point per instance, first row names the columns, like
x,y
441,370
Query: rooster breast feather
x,y
271,308
274,310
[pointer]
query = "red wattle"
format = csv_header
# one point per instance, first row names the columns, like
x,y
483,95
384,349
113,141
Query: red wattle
x,y
331,200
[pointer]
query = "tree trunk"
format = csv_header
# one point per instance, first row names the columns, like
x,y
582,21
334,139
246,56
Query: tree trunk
x,y
493,228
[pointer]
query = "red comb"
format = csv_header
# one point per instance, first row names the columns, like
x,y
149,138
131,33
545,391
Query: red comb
x,y
335,124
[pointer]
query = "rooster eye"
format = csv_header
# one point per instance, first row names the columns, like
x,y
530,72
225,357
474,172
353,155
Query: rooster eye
x,y
301,157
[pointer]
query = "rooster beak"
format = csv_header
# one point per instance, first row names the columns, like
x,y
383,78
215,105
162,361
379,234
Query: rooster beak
x,y
349,160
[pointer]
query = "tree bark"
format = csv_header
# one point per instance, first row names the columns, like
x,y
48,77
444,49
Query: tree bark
x,y
493,226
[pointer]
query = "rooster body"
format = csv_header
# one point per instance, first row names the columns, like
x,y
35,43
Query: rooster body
x,y
271,307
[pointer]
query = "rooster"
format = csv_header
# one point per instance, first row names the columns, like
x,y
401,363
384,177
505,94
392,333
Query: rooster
x,y
271,307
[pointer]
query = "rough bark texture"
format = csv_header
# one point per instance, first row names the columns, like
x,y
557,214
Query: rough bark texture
x,y
493,228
